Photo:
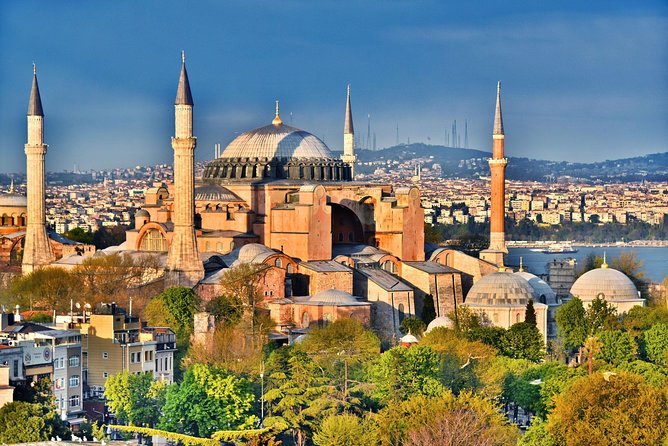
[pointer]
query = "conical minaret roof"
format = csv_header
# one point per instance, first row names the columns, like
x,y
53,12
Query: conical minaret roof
x,y
498,117
183,95
35,104
348,125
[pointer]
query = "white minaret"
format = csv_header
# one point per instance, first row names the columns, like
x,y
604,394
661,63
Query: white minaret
x,y
349,138
37,250
183,262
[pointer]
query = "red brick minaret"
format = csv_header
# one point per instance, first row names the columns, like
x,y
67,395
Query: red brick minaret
x,y
497,165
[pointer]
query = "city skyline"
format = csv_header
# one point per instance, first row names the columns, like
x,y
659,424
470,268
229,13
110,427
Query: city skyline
x,y
581,82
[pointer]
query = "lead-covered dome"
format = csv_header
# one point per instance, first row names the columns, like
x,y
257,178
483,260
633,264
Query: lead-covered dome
x,y
606,283
542,291
500,289
333,297
275,152
277,141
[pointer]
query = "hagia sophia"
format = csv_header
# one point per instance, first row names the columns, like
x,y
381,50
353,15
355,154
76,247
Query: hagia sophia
x,y
333,247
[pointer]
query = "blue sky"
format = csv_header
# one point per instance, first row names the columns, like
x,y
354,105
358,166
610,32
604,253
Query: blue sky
x,y
581,80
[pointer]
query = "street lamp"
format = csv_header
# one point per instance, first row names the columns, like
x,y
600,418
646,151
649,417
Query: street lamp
x,y
262,393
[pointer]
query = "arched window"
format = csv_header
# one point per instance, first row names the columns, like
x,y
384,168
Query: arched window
x,y
153,240
542,299
306,320
289,269
326,319
517,318
340,236
351,237
278,263
402,315
219,246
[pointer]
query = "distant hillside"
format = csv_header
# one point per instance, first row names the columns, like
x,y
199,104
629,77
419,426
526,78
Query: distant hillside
x,y
472,163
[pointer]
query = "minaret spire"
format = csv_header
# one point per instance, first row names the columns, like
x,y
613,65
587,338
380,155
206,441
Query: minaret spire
x,y
349,138
35,104
498,117
348,123
183,95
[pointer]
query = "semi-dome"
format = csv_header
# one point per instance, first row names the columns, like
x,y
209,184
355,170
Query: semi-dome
x,y
248,252
277,141
214,192
13,200
277,151
142,213
606,283
499,289
333,297
408,339
441,321
543,293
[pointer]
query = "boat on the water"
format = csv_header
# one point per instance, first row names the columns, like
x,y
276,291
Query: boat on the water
x,y
559,249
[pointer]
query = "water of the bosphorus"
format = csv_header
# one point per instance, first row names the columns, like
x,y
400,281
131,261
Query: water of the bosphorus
x,y
655,259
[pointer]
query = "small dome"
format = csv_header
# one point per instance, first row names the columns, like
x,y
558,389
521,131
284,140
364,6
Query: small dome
x,y
441,321
606,283
248,252
214,192
277,141
13,200
409,339
542,291
142,213
501,288
333,297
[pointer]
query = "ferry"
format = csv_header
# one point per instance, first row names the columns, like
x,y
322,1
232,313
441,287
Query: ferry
x,y
559,249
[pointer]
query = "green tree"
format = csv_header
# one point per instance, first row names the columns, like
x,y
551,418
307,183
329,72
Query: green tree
x,y
629,263
572,324
345,430
299,394
47,288
524,341
208,399
603,409
79,235
537,435
466,420
656,344
600,315
174,308
653,374
413,325
492,336
22,422
402,372
617,347
530,314
135,399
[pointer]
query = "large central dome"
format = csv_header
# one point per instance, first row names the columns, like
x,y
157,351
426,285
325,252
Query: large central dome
x,y
277,141
277,152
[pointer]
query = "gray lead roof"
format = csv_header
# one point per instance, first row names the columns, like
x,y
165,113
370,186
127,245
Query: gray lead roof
x,y
183,95
35,104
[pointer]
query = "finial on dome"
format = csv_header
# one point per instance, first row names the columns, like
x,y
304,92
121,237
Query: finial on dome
x,y
11,187
34,68
277,119
502,267
521,266
604,265
183,56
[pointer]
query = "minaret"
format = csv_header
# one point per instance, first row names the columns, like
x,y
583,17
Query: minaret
x,y
497,165
183,262
349,138
37,249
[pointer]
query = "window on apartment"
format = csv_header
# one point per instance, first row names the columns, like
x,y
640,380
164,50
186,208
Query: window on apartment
x,y
105,375
74,361
59,383
74,381
135,357
74,401
105,355
148,355
16,368
59,363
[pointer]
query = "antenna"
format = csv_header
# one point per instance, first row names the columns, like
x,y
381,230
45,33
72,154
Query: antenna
x,y
466,133
397,133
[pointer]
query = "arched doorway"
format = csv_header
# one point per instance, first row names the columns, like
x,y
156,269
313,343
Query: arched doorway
x,y
346,227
